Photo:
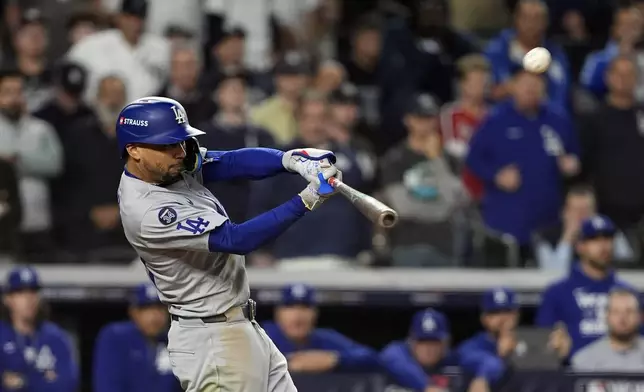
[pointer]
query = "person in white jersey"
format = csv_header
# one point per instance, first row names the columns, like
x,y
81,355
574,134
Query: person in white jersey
x,y
194,254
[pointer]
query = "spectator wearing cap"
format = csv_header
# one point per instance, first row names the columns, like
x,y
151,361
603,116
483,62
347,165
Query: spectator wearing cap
x,y
185,69
141,58
230,129
86,209
277,113
419,362
132,356
579,300
461,118
419,185
66,105
30,43
37,354
362,71
612,145
555,246
507,50
309,349
32,146
342,229
622,349
521,151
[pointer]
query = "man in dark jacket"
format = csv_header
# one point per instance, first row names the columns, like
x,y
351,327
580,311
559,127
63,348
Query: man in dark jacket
x,y
612,140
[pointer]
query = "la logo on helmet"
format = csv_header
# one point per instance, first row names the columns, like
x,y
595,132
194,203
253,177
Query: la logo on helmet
x,y
179,115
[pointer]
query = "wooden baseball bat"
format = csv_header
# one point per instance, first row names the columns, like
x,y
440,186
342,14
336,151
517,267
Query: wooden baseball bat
x,y
376,211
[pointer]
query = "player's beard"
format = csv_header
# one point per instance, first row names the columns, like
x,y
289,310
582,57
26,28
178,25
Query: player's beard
x,y
170,175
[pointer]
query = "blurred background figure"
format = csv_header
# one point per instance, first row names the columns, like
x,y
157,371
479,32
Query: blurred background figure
x,y
622,348
132,356
330,75
418,184
225,55
579,300
419,361
79,25
29,57
140,57
10,212
37,354
506,52
522,168
309,349
461,118
228,129
89,225
32,145
344,232
626,34
66,106
277,113
555,246
183,84
362,70
611,141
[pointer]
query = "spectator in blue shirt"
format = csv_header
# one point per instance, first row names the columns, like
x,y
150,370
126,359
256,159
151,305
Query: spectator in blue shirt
x,y
520,152
628,24
418,363
35,355
579,300
507,50
310,349
132,356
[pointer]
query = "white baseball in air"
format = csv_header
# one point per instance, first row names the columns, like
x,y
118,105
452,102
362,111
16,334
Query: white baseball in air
x,y
537,60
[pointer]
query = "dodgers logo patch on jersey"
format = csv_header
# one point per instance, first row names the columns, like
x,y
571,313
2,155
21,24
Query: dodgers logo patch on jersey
x,y
167,216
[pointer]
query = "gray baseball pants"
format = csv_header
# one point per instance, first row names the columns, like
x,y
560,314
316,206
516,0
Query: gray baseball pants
x,y
231,356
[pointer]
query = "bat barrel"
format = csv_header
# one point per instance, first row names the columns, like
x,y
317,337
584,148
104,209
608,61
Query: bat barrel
x,y
373,209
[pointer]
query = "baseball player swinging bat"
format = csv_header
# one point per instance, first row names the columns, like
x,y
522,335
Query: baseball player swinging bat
x,y
194,254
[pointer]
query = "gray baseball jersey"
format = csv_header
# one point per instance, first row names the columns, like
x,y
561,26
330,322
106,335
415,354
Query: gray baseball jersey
x,y
169,228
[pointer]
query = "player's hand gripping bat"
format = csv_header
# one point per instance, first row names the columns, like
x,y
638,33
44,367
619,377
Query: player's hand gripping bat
x,y
374,210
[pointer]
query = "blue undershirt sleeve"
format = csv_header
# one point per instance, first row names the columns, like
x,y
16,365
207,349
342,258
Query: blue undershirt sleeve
x,y
245,163
249,236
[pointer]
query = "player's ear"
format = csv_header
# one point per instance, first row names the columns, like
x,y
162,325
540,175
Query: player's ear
x,y
133,151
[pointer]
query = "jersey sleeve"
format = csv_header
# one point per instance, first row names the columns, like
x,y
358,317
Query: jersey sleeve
x,y
179,226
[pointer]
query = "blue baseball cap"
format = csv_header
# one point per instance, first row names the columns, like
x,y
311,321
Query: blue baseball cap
x,y
22,278
597,226
298,294
429,324
145,294
498,300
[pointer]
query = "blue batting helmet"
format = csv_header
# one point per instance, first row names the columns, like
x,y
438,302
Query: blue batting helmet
x,y
153,120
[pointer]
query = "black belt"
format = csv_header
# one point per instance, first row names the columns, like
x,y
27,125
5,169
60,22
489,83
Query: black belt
x,y
249,309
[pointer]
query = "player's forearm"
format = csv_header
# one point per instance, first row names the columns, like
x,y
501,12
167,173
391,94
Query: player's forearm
x,y
249,236
246,163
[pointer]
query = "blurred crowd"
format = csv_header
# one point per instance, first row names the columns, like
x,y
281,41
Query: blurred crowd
x,y
424,102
